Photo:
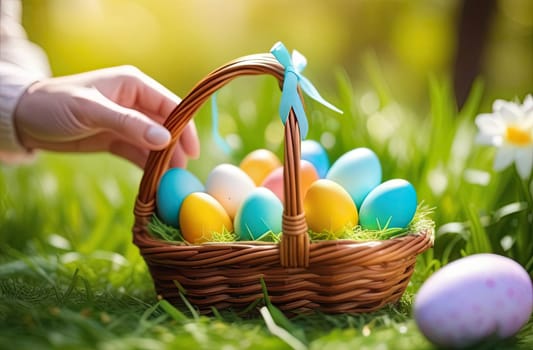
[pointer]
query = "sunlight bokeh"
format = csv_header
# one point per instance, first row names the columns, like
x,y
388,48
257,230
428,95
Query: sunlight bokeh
x,y
178,42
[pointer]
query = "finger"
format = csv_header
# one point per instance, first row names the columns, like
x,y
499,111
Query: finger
x,y
127,123
189,141
103,142
94,143
134,154
131,88
178,159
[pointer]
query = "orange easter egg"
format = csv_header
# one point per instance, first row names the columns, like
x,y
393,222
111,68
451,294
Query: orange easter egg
x,y
308,175
259,163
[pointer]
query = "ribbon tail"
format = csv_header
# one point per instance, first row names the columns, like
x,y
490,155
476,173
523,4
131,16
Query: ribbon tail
x,y
291,100
299,112
302,119
312,92
289,94
221,143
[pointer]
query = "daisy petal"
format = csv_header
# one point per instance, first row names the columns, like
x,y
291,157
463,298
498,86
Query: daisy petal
x,y
528,102
524,161
497,105
527,122
511,112
504,157
488,124
528,110
490,140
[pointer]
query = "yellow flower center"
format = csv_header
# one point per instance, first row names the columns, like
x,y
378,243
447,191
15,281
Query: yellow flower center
x,y
518,136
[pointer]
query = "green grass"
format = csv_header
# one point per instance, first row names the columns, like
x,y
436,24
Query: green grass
x,y
421,223
71,278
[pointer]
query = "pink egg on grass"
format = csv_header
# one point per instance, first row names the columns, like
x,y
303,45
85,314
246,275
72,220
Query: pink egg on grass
x,y
473,299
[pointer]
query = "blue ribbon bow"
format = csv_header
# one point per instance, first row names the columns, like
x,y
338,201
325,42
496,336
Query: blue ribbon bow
x,y
293,76
289,96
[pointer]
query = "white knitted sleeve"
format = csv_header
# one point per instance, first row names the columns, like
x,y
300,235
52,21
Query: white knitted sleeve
x,y
21,64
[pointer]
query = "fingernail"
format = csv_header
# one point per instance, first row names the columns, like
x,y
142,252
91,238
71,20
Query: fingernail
x,y
157,135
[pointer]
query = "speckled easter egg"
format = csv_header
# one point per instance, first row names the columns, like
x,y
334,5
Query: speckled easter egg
x,y
313,152
274,181
229,185
358,171
391,204
329,208
200,216
260,213
472,299
259,163
174,186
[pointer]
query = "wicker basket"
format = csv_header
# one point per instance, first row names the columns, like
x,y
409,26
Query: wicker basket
x,y
331,276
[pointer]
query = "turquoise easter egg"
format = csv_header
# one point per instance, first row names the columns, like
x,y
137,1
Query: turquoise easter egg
x,y
391,204
259,213
174,186
358,171
313,152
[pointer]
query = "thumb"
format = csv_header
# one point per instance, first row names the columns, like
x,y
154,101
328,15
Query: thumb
x,y
130,124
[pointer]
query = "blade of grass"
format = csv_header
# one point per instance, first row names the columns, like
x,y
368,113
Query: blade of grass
x,y
281,332
182,293
176,314
70,287
478,241
279,317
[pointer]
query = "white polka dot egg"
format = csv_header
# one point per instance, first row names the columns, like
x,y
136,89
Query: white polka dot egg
x,y
473,299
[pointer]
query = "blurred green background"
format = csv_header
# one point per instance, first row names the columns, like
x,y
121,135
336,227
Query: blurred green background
x,y
178,42
400,70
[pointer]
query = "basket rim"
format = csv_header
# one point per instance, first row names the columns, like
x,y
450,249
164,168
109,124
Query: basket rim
x,y
343,241
428,233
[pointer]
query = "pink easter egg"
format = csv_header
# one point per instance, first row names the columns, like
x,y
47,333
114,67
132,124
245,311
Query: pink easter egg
x,y
274,180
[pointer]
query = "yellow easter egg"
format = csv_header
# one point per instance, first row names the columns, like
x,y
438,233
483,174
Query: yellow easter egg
x,y
329,207
259,163
201,215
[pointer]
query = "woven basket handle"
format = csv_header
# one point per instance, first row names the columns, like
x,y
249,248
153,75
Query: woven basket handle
x,y
294,245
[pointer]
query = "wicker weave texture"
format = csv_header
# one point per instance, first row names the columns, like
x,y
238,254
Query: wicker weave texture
x,y
331,276
343,276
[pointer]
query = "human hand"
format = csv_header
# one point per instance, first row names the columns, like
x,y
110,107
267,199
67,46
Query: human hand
x,y
119,110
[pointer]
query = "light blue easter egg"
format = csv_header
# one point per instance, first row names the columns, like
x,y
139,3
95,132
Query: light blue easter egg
x,y
313,152
392,204
259,213
358,171
174,186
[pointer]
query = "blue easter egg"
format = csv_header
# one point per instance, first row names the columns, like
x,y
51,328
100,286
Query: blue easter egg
x,y
259,213
174,186
358,171
392,204
313,152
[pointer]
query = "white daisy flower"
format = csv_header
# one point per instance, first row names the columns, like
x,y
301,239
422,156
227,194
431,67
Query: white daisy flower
x,y
509,128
